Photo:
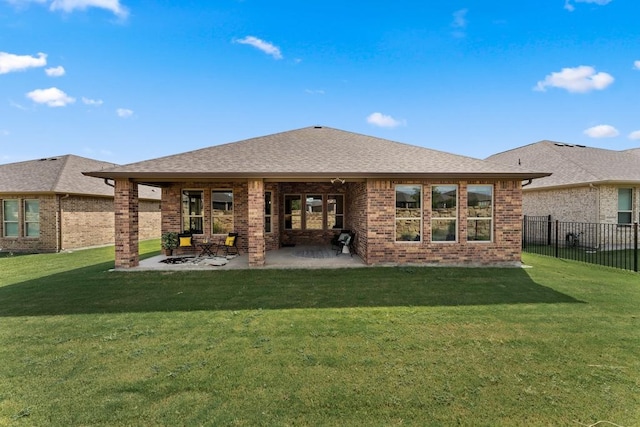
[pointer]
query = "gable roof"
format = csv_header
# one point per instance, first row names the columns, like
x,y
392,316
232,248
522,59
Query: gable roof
x,y
60,175
312,152
573,165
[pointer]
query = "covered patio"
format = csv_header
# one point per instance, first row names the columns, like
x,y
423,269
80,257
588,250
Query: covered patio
x,y
297,257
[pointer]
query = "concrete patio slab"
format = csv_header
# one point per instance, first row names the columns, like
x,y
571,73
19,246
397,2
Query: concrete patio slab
x,y
302,257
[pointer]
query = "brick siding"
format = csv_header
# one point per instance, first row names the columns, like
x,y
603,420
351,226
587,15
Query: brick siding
x,y
73,222
381,247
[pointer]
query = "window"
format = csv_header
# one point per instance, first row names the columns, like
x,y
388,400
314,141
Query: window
x,y
480,212
444,213
267,211
10,218
314,213
221,211
293,212
408,212
625,205
335,211
192,211
32,218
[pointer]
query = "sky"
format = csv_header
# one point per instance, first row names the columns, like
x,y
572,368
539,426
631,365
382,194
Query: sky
x,y
129,80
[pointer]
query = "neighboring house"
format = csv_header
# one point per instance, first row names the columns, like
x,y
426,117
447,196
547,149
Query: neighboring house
x,y
406,204
590,185
48,205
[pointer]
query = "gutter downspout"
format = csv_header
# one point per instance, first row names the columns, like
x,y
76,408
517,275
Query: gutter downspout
x,y
60,212
527,183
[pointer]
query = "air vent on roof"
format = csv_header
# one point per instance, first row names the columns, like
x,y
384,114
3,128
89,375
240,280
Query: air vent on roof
x,y
317,127
559,144
49,158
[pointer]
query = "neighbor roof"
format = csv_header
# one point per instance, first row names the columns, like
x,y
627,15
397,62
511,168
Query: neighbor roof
x,y
573,165
312,152
60,175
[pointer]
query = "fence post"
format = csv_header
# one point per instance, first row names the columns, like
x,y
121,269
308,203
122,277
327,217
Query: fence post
x,y
549,230
557,229
524,232
635,247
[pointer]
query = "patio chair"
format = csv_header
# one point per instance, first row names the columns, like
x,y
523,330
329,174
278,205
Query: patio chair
x,y
185,242
335,240
229,246
346,240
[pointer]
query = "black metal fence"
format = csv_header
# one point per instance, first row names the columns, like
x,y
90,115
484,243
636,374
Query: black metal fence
x,y
612,245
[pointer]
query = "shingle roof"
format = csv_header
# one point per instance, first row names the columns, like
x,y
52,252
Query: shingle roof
x,y
573,165
312,152
61,175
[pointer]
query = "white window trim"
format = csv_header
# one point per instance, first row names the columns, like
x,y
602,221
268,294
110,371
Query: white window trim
x,y
25,222
4,219
456,217
493,195
396,218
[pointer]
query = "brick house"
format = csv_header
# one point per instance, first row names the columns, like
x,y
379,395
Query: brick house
x,y
592,185
48,205
406,204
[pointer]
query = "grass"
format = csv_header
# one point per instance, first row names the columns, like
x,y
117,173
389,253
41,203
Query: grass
x,y
556,344
623,258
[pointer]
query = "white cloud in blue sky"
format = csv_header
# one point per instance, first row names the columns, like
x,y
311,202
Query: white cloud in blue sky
x,y
124,113
10,62
602,131
264,46
636,65
52,97
580,79
570,7
58,71
69,6
460,22
92,102
635,135
384,121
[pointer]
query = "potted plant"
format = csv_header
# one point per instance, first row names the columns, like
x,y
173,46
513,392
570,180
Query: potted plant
x,y
169,241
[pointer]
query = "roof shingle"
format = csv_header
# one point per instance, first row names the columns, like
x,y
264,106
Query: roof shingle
x,y
573,165
309,152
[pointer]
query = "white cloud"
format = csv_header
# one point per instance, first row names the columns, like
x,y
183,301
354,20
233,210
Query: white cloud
x,y
4,132
635,135
314,91
53,97
124,113
10,62
55,71
384,121
459,22
570,7
580,79
266,47
69,6
636,65
602,131
94,102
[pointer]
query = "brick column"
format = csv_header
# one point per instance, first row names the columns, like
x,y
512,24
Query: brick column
x,y
255,235
126,223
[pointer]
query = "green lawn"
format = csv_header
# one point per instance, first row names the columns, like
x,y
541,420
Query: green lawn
x,y
556,344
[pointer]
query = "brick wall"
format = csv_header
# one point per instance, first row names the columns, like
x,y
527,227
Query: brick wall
x,y
311,237
172,210
579,204
84,221
381,247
